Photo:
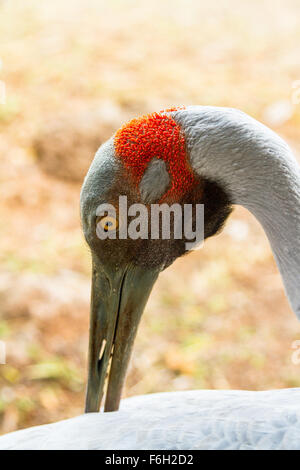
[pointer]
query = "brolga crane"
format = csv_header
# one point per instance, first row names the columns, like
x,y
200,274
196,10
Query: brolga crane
x,y
207,155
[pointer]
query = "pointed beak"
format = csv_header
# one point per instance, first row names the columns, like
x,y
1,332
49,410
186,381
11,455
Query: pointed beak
x,y
118,301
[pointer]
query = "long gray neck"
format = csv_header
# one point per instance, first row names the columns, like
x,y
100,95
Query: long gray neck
x,y
258,170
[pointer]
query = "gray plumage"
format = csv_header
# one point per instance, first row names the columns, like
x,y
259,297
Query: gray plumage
x,y
199,419
258,170
155,181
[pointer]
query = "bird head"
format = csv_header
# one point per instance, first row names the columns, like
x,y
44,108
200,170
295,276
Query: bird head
x,y
149,162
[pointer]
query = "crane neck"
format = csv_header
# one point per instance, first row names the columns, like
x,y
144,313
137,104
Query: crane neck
x,y
258,171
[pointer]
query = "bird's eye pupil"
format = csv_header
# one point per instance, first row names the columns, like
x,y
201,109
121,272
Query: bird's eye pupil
x,y
107,226
108,223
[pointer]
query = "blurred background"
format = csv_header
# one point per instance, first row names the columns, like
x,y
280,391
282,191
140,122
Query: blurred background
x,y
74,72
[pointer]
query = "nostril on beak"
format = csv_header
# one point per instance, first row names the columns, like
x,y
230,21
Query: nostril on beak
x,y
101,355
102,349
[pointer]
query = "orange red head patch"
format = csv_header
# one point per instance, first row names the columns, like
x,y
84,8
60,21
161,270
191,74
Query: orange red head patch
x,y
156,135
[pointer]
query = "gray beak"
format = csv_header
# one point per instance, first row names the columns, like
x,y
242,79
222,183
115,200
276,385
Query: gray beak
x,y
117,303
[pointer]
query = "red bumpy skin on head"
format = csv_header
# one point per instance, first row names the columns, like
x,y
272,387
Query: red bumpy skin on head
x,y
156,135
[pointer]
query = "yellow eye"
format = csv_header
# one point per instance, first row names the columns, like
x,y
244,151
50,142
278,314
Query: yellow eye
x,y
108,223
